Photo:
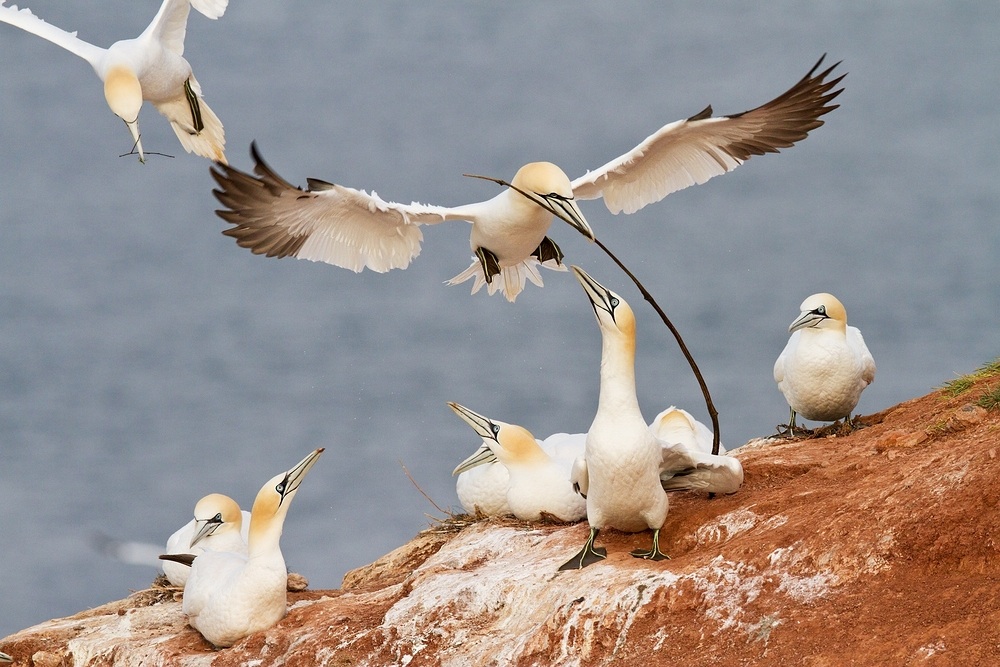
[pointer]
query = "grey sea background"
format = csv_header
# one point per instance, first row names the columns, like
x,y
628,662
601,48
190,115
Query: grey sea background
x,y
146,360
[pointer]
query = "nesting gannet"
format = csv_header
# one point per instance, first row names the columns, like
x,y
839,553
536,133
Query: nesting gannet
x,y
538,483
825,364
150,68
481,484
356,230
623,456
229,596
687,461
218,525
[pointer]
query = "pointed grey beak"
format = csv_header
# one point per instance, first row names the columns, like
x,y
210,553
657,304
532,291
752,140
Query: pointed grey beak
x,y
808,318
567,210
483,427
208,528
483,456
133,128
294,477
599,295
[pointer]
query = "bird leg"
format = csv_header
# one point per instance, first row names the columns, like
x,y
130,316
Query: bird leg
x,y
192,99
654,552
547,250
491,265
588,555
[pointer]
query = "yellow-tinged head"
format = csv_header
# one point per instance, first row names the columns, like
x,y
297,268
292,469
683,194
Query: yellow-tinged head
x,y
216,513
512,444
820,311
548,186
614,315
124,95
273,500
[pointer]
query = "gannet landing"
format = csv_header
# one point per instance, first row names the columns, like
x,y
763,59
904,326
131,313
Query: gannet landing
x,y
825,365
356,230
150,67
538,483
622,455
229,596
218,525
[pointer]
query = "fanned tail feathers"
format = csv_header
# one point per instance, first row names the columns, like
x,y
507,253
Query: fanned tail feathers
x,y
511,279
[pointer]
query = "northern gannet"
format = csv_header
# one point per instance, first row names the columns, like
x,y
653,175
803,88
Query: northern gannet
x,y
623,456
825,364
356,230
229,596
687,461
150,68
481,484
538,483
218,525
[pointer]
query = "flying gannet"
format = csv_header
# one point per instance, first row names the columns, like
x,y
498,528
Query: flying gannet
x,y
538,483
218,525
229,596
825,364
356,230
150,68
623,456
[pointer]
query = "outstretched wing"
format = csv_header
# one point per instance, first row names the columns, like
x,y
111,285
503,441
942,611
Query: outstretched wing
x,y
25,20
325,223
169,26
691,151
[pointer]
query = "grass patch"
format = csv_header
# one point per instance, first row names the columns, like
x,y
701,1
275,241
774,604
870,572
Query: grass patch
x,y
962,384
991,399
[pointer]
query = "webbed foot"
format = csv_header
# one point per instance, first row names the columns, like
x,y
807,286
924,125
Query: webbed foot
x,y
653,553
587,556
547,250
195,106
491,265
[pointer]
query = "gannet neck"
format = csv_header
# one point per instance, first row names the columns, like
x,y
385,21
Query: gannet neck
x,y
617,375
270,507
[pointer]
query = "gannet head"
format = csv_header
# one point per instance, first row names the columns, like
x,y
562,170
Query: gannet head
x,y
216,514
512,444
274,498
548,186
672,423
124,95
614,315
820,311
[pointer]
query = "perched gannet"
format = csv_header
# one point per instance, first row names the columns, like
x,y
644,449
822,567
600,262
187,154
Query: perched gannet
x,y
825,365
150,68
687,460
229,596
538,483
218,525
481,484
356,230
623,456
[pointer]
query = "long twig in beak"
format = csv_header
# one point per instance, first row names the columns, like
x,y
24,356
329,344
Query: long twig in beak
x,y
712,412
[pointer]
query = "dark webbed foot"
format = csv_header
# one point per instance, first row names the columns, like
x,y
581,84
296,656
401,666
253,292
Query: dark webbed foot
x,y
491,265
192,99
654,552
588,555
547,250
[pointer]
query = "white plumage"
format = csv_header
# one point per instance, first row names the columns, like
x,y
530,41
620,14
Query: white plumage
x,y
538,480
825,364
356,230
218,525
229,596
150,67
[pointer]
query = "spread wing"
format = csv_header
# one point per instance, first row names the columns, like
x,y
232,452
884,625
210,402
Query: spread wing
x,y
169,26
691,151
325,223
687,468
25,20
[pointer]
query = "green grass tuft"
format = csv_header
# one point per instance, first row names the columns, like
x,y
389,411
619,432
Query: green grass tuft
x,y
963,383
991,399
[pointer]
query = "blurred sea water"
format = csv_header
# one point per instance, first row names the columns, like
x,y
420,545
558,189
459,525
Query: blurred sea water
x,y
146,360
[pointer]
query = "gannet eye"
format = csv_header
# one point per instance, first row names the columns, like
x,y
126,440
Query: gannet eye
x,y
614,302
821,310
280,488
217,518
495,428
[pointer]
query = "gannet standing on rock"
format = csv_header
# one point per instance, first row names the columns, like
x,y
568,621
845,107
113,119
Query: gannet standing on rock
x,y
356,230
218,525
229,596
150,67
538,483
825,365
623,456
